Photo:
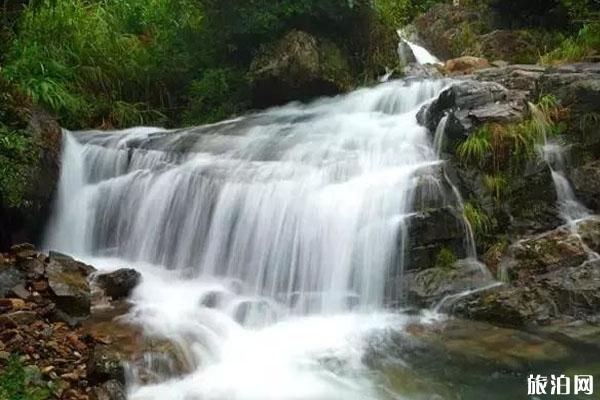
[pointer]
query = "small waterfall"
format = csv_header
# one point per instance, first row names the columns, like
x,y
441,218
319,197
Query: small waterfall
x,y
571,210
265,242
421,54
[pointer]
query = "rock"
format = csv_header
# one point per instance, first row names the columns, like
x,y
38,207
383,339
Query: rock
x,y
407,56
431,231
71,262
469,104
575,290
505,306
22,247
111,390
531,200
589,230
105,364
68,282
120,283
428,287
10,276
465,65
20,291
586,184
11,304
552,251
299,67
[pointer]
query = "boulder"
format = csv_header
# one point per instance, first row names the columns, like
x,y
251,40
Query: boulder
x,y
429,232
414,70
299,67
120,283
586,184
469,104
67,279
589,230
428,287
465,65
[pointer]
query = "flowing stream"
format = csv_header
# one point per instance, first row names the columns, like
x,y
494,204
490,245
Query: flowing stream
x,y
265,242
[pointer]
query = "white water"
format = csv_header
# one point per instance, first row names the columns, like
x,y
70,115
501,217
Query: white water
x,y
422,55
265,242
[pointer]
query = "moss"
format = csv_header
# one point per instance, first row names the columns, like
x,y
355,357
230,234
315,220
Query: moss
x,y
19,382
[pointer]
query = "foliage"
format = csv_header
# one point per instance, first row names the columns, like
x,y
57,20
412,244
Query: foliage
x,y
219,94
477,146
586,43
400,12
478,219
16,155
496,184
445,258
17,383
100,57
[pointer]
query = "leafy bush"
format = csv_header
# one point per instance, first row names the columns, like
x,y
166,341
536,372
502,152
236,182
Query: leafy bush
x,y
219,94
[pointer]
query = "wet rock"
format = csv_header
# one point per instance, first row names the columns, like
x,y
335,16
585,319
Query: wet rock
x,y
586,184
522,79
105,364
120,283
428,287
431,231
22,247
531,200
465,65
111,390
299,67
22,317
407,56
469,104
68,281
506,306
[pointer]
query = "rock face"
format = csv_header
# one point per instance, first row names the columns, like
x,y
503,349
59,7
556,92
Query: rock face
x,y
299,67
119,284
469,104
431,231
550,278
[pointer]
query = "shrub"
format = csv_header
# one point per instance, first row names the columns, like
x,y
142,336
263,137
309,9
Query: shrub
x,y
577,48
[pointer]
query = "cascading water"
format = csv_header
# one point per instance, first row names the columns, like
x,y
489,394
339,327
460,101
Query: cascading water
x,y
422,55
265,242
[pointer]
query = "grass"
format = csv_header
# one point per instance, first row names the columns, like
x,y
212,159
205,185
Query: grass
x,y
496,184
478,219
585,44
476,147
446,258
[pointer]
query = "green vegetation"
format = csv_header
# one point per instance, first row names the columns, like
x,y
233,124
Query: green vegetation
x,y
585,44
17,382
499,150
446,258
478,219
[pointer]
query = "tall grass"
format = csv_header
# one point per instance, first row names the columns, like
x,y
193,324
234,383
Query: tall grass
x,y
585,44
88,61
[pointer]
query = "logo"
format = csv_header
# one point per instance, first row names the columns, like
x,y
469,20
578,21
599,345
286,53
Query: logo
x,y
560,385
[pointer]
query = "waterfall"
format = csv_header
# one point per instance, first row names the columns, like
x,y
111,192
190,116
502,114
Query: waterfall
x,y
265,242
422,55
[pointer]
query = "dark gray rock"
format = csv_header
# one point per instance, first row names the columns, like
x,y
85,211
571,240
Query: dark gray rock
x,y
431,231
414,70
428,287
120,283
